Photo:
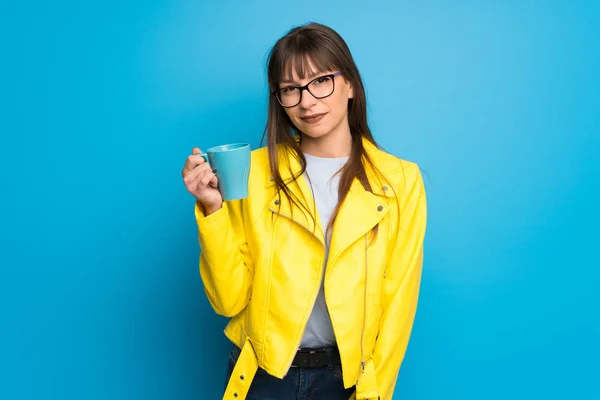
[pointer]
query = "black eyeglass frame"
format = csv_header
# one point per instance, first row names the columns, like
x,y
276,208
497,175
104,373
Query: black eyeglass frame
x,y
276,92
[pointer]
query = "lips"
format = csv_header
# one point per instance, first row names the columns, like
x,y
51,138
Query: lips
x,y
313,118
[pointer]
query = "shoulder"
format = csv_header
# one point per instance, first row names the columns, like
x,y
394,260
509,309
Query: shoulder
x,y
260,158
260,154
403,174
259,164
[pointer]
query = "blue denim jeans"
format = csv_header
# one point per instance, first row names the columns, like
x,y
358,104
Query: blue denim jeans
x,y
298,384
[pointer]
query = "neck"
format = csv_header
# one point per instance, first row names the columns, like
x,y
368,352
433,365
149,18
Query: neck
x,y
335,144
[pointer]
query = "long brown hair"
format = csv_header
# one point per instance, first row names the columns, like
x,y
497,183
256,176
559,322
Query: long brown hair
x,y
328,51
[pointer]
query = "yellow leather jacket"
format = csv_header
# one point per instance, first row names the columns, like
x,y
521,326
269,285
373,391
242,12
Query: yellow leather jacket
x,y
261,263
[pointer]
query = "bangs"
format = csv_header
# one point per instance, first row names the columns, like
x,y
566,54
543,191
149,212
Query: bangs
x,y
304,57
304,65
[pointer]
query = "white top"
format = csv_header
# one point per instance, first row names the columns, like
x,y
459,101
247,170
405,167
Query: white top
x,y
321,171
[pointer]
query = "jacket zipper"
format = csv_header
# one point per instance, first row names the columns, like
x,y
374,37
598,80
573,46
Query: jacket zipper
x,y
289,364
362,336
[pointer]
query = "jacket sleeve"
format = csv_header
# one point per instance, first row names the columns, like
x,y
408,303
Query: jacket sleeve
x,y
225,264
402,281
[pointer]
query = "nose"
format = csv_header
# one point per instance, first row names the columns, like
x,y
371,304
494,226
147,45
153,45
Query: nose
x,y
307,100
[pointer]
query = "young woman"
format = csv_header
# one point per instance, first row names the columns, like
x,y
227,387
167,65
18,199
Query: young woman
x,y
319,267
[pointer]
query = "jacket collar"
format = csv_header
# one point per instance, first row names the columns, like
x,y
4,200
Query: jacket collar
x,y
289,166
360,212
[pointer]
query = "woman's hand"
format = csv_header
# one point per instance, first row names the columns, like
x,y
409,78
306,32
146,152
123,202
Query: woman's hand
x,y
202,182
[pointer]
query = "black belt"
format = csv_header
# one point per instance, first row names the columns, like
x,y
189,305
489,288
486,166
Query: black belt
x,y
317,358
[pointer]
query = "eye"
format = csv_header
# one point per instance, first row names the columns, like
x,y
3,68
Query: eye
x,y
322,79
287,90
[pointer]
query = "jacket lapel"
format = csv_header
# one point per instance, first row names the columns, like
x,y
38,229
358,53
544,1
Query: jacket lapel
x,y
360,212
279,204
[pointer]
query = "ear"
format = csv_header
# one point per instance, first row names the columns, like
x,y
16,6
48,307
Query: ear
x,y
350,91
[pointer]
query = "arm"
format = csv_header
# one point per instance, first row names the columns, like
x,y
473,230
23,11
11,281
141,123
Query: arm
x,y
225,265
403,276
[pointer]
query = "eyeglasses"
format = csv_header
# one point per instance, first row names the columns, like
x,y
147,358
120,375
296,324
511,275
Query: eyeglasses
x,y
319,88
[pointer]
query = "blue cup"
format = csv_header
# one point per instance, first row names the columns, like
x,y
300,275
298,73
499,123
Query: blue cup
x,y
232,162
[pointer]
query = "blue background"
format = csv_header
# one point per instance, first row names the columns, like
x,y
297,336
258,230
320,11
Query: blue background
x,y
498,102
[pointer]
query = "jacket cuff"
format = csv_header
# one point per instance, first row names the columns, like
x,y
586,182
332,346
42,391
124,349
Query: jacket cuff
x,y
204,221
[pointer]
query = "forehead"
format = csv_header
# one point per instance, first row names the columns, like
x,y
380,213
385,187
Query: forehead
x,y
301,67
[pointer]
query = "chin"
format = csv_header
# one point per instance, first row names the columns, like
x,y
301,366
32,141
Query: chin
x,y
315,132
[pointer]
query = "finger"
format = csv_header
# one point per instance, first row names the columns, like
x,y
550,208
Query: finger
x,y
192,162
193,172
214,182
196,150
189,176
197,185
204,180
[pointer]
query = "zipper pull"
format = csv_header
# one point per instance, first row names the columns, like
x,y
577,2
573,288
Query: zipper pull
x,y
362,369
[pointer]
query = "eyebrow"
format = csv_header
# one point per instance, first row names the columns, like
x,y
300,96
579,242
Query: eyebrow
x,y
310,77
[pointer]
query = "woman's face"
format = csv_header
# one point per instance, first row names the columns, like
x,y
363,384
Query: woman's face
x,y
319,117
